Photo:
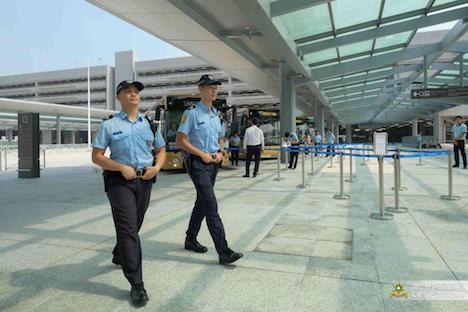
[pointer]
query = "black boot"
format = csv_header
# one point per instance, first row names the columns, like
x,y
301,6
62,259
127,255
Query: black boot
x,y
138,295
193,245
229,256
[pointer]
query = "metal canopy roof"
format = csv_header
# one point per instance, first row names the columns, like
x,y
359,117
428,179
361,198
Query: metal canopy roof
x,y
358,58
366,54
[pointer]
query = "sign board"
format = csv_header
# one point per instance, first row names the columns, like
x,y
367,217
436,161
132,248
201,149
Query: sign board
x,y
380,143
439,93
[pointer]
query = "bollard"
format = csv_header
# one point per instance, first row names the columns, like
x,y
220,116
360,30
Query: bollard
x,y
350,180
311,173
397,208
278,165
381,215
303,170
450,195
420,157
341,195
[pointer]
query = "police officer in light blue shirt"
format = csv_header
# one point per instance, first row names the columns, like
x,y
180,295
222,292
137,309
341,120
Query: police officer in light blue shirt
x,y
293,140
201,135
137,154
459,136
330,141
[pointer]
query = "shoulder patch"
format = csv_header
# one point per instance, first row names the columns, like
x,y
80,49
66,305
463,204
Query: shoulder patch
x,y
107,118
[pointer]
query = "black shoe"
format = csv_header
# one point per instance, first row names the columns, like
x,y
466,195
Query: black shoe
x,y
246,175
116,260
229,256
138,295
455,166
464,166
194,245
255,174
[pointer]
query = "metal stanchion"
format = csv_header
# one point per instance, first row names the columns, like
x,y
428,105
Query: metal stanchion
x,y
397,208
278,167
450,195
420,157
341,195
303,170
381,215
401,188
311,173
286,164
331,160
350,180
6,158
1,158
43,156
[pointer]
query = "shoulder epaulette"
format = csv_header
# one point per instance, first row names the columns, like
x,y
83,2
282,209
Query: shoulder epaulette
x,y
107,118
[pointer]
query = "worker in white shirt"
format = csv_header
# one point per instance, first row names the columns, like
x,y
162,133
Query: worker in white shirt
x,y
253,144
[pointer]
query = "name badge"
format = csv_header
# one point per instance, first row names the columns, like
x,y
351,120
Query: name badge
x,y
200,123
118,132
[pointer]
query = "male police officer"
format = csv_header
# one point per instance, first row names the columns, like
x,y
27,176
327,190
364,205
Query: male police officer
x,y
129,175
201,135
459,135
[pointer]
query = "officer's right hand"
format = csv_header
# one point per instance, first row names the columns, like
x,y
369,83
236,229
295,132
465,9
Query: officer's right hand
x,y
206,157
128,172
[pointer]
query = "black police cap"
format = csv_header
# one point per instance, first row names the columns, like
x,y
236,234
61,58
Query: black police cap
x,y
125,84
208,80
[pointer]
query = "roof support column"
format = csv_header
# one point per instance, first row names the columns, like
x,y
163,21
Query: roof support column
x,y
287,100
461,69
414,131
437,129
425,70
349,134
320,119
58,133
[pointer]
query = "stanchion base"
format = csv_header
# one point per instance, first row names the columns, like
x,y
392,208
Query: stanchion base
x,y
401,188
399,210
301,186
311,174
349,181
276,179
341,197
384,217
447,197
419,165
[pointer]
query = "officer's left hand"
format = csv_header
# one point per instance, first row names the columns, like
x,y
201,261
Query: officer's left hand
x,y
150,173
219,158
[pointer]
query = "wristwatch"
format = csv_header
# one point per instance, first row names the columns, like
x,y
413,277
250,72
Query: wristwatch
x,y
221,151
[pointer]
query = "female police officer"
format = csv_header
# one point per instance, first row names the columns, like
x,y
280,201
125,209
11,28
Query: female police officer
x,y
201,135
129,175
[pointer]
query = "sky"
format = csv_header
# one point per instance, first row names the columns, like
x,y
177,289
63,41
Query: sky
x,y
41,35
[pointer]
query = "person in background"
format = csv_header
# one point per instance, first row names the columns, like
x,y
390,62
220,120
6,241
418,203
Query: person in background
x,y
330,141
254,142
235,143
317,141
293,139
459,137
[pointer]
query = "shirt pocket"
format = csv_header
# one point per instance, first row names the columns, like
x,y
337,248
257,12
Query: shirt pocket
x,y
147,139
202,129
119,140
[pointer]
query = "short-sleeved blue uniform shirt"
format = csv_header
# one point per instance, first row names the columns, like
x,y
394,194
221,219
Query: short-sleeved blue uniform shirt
x,y
459,131
330,138
130,142
203,127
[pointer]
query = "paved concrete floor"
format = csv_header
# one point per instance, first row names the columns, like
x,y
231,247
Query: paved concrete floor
x,y
305,251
